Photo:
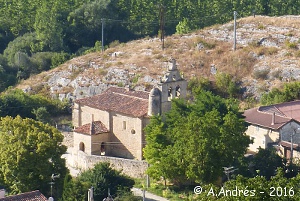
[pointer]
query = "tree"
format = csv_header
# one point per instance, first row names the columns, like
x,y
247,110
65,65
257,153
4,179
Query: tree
x,y
102,177
74,189
30,153
289,92
194,141
42,114
266,162
48,29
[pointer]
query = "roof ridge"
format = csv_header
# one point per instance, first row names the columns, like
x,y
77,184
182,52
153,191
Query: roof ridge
x,y
127,95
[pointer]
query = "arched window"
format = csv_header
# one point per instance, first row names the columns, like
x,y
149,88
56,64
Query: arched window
x,y
81,146
177,91
174,78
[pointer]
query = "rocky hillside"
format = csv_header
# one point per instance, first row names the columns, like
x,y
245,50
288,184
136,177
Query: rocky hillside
x,y
267,55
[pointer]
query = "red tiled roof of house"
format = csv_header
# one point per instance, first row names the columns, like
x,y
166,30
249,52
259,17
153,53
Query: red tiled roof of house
x,y
288,144
28,196
290,109
257,117
97,127
120,100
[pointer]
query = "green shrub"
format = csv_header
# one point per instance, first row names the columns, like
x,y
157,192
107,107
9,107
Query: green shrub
x,y
59,58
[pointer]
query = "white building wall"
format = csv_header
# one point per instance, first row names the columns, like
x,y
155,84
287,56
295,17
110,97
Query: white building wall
x,y
261,137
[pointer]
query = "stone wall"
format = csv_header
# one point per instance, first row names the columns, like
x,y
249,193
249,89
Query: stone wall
x,y
132,168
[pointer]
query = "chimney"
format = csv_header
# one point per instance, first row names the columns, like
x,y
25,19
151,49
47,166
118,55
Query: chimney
x,y
92,125
273,119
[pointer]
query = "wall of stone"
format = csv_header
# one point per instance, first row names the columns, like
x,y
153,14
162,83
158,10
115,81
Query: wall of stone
x,y
132,168
128,131
291,129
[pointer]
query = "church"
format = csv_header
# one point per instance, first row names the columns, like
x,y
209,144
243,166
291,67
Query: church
x,y
112,123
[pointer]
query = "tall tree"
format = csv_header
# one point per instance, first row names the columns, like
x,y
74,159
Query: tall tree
x,y
48,29
102,177
30,153
194,141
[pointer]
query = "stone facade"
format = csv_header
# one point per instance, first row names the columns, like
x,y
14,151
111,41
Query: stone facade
x,y
132,168
124,113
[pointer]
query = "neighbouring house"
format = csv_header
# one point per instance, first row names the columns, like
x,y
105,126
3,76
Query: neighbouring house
x,y
275,125
112,123
28,196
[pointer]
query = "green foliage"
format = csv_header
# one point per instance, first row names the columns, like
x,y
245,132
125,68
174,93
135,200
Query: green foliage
x,y
41,114
290,92
47,26
22,44
74,189
102,177
196,85
41,61
7,76
30,153
259,188
59,58
227,85
183,27
266,162
16,102
195,140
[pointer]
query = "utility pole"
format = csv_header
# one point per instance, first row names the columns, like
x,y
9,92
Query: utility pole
x,y
162,24
234,32
102,40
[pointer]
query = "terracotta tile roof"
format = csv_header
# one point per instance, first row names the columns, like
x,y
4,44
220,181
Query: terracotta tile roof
x,y
120,100
290,109
29,196
257,117
94,128
288,144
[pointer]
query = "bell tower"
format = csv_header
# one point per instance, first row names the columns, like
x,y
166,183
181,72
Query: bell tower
x,y
172,85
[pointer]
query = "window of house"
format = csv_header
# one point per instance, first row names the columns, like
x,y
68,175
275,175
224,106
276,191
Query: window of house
x,y
252,139
124,125
132,131
257,128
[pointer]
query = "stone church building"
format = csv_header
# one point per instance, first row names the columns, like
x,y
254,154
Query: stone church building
x,y
112,123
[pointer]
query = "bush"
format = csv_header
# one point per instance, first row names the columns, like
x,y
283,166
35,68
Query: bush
x,y
102,177
290,92
20,44
59,58
227,85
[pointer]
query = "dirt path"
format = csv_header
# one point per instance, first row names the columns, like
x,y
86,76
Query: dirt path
x,y
149,196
